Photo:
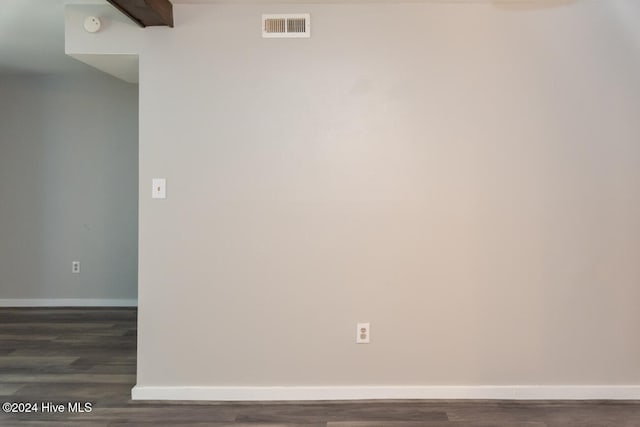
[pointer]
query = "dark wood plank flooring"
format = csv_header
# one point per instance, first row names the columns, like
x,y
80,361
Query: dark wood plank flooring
x,y
76,354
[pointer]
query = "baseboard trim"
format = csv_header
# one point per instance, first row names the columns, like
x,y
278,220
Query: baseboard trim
x,y
67,302
597,392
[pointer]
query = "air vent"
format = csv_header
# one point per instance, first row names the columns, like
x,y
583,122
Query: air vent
x,y
286,26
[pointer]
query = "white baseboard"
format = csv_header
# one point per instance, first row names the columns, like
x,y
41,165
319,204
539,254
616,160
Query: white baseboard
x,y
596,392
68,302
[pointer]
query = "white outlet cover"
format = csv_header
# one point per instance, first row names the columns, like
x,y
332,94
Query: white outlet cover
x,y
363,333
159,188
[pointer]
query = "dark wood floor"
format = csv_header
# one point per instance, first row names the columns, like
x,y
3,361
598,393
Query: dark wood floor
x,y
64,355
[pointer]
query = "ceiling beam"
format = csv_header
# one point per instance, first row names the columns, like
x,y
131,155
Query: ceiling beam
x,y
146,13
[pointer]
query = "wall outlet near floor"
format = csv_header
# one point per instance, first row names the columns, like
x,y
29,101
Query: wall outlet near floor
x,y
75,266
363,333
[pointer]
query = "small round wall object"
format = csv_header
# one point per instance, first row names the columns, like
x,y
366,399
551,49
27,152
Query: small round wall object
x,y
92,24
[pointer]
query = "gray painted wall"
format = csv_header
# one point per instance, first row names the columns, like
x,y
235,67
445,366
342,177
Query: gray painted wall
x,y
463,176
68,187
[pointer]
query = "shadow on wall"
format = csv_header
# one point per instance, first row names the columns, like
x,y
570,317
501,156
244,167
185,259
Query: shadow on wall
x,y
628,16
68,187
23,156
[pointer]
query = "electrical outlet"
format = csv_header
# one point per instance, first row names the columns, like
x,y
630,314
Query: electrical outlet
x,y
75,266
363,333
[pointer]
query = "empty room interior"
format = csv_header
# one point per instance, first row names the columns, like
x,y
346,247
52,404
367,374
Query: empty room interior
x,y
320,212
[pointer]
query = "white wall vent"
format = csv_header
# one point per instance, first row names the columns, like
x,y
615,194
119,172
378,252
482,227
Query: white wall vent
x,y
286,25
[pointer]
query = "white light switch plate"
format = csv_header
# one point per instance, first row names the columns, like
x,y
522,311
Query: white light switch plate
x,y
159,190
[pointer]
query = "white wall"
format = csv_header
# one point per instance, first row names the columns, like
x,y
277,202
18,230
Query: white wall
x,y
463,176
68,188
113,50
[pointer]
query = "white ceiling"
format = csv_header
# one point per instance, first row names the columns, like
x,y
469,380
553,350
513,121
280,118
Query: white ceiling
x,y
32,37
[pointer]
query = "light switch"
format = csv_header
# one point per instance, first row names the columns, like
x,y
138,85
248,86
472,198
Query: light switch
x,y
159,190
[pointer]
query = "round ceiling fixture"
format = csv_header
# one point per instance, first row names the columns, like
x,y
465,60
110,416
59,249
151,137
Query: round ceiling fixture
x,y
92,24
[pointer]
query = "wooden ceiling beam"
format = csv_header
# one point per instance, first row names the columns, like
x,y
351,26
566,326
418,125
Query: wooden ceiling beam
x,y
146,13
